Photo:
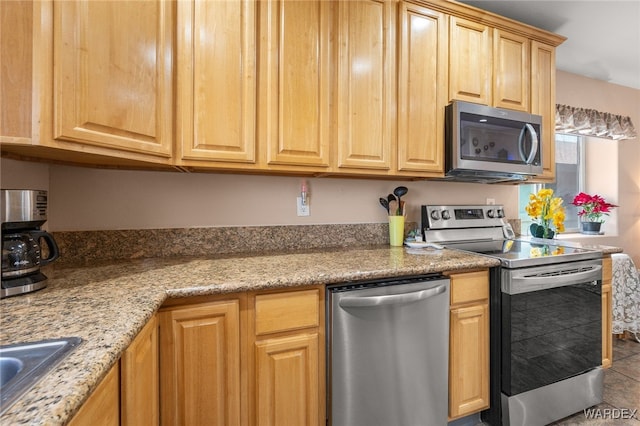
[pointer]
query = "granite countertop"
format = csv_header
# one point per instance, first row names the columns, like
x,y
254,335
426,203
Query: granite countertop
x,y
107,305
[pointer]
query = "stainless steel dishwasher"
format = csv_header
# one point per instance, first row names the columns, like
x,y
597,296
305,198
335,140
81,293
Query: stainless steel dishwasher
x,y
387,352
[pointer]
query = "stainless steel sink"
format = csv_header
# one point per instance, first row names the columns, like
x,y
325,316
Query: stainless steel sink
x,y
9,368
23,364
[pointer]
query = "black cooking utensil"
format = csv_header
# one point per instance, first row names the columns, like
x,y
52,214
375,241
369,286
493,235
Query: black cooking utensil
x,y
400,192
384,203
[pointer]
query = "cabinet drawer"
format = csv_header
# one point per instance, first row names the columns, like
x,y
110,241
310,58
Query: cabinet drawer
x,y
469,287
287,311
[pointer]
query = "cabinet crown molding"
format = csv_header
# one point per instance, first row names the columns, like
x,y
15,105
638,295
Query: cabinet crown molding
x,y
491,19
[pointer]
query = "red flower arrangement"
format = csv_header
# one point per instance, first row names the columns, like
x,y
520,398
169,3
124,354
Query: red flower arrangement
x,y
594,207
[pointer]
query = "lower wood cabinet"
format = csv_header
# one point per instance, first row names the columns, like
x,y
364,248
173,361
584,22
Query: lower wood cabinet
x,y
468,344
607,313
252,358
128,395
258,358
139,379
286,377
103,406
200,363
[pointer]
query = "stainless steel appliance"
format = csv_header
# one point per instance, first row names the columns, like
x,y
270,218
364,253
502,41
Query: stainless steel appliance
x,y
387,352
23,213
490,145
545,314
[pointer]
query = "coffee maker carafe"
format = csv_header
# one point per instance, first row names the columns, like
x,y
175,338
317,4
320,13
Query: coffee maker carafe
x,y
23,242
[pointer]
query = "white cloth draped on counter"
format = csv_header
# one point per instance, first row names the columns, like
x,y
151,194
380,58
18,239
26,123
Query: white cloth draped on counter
x,y
626,294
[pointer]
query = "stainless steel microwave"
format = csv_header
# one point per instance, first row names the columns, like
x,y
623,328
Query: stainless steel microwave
x,y
489,145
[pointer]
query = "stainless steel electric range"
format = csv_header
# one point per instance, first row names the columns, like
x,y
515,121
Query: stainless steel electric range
x,y
545,315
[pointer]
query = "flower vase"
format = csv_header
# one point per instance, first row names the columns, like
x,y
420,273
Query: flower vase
x,y
540,231
591,228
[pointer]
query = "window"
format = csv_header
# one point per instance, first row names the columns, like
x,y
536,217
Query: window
x,y
569,181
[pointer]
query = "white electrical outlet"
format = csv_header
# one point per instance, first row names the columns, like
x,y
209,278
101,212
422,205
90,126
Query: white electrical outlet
x,y
303,210
491,201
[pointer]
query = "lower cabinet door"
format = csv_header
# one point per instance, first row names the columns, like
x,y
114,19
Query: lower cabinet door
x,y
102,408
139,390
468,360
200,364
286,386
607,313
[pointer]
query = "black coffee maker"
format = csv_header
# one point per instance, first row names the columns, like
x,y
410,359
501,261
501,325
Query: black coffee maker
x,y
23,242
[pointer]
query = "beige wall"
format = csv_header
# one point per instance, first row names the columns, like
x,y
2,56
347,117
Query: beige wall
x,y
614,166
95,199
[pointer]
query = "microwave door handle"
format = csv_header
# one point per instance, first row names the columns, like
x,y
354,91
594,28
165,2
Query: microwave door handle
x,y
534,143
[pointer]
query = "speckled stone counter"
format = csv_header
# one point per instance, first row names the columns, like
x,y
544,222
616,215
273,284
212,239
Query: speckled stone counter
x,y
107,305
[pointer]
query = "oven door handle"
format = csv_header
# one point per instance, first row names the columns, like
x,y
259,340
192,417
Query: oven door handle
x,y
390,299
517,285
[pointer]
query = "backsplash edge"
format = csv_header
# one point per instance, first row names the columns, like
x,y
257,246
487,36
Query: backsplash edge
x,y
104,245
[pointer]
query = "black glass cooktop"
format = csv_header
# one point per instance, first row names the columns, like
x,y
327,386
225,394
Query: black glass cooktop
x,y
517,253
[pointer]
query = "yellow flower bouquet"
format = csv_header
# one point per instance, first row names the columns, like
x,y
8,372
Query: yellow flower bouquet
x,y
547,213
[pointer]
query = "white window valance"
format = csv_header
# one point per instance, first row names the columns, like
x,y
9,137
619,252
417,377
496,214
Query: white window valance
x,y
590,122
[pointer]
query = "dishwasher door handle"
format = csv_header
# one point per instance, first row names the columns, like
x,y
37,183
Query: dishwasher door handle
x,y
390,299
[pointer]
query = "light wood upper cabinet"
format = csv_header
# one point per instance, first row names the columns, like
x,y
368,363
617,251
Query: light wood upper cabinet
x,y
112,74
422,89
140,389
511,72
366,84
200,364
488,66
16,70
470,61
311,87
543,102
296,77
216,81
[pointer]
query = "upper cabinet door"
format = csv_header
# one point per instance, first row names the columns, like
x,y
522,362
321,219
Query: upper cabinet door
x,y
470,61
422,89
511,72
543,102
113,74
296,82
366,84
216,86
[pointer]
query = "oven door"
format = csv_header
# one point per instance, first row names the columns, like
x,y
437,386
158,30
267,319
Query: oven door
x,y
551,324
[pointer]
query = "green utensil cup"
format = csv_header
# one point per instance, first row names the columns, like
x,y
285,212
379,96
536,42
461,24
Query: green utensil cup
x,y
396,230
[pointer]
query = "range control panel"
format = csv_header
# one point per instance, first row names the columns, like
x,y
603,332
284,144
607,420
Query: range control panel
x,y
462,216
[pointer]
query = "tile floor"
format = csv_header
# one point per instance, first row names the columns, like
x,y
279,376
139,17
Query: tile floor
x,y
621,389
